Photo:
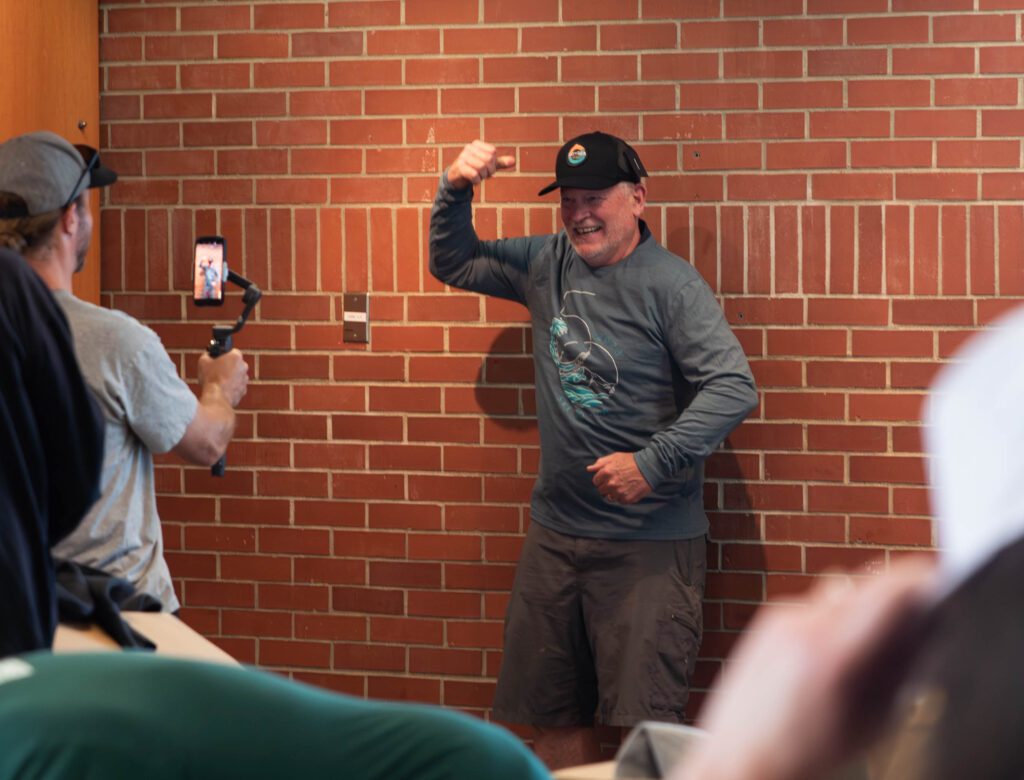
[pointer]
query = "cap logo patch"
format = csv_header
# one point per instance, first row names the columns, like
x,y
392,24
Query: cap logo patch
x,y
576,155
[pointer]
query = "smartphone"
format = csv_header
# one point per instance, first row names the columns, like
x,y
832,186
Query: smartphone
x,y
210,267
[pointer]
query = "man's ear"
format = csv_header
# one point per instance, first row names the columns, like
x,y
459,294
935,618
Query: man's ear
x,y
70,219
639,198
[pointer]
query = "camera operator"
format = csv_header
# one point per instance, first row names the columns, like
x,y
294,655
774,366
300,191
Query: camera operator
x,y
44,191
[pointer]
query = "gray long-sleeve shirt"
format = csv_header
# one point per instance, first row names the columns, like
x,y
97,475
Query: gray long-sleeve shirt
x,y
632,357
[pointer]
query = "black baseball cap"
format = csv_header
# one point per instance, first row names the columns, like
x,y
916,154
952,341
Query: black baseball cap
x,y
47,172
595,161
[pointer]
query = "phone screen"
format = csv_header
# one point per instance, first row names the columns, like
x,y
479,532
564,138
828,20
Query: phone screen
x,y
210,268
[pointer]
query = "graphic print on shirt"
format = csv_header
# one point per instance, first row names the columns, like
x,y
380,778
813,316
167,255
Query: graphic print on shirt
x,y
587,371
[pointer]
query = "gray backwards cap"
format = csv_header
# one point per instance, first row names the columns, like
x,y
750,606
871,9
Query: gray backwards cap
x,y
47,172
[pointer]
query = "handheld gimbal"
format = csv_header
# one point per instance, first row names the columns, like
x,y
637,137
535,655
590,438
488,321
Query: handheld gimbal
x,y
221,341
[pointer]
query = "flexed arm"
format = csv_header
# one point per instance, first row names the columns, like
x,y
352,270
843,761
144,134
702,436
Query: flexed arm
x,y
457,256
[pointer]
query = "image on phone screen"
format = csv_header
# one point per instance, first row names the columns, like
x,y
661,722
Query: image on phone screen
x,y
210,270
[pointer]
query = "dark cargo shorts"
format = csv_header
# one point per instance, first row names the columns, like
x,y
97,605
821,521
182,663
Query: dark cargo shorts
x,y
601,626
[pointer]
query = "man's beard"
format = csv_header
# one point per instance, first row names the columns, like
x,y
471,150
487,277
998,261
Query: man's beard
x,y
83,250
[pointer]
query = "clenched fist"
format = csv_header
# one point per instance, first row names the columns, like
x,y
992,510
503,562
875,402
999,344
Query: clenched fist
x,y
476,162
230,371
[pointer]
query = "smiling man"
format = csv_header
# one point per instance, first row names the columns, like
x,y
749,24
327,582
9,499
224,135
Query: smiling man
x,y
638,380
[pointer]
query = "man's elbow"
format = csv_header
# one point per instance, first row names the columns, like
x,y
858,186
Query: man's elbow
x,y
209,453
434,267
206,438
200,450
751,398
748,398
738,394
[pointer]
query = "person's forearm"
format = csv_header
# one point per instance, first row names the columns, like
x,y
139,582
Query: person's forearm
x,y
211,429
715,411
220,418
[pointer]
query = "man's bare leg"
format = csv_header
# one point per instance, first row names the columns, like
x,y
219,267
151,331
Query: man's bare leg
x,y
567,746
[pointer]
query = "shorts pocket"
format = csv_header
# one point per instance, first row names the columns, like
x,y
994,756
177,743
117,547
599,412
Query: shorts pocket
x,y
678,640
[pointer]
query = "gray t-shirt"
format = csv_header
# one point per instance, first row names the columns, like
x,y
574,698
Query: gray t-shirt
x,y
147,407
632,357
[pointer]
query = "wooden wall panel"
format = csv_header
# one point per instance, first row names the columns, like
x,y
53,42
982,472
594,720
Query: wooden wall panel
x,y
49,55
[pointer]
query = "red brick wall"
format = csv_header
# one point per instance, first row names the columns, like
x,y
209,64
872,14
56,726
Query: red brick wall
x,y
843,172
